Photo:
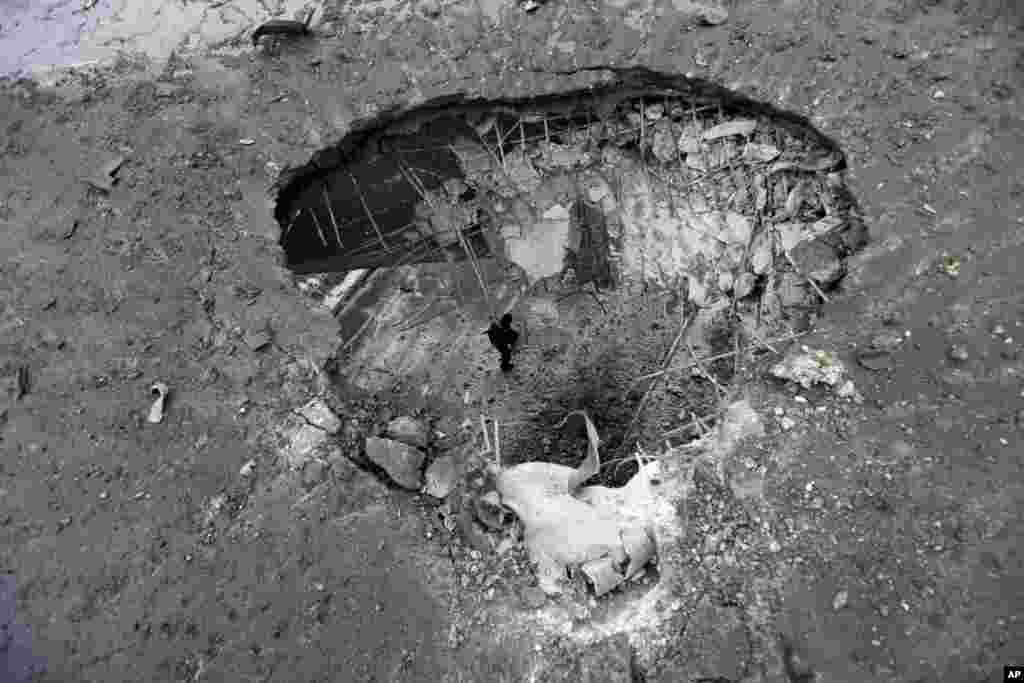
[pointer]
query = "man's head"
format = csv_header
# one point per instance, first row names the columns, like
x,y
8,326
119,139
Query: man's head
x,y
506,320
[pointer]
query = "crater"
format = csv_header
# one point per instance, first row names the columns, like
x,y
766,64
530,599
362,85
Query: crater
x,y
601,219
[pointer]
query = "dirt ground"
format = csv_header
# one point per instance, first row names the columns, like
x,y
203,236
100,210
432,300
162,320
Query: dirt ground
x,y
881,545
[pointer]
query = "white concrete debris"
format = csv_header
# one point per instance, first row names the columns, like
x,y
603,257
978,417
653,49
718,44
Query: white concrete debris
x,y
809,367
565,525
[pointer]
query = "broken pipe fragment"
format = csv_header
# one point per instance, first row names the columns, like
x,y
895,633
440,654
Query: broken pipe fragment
x,y
159,392
591,464
602,575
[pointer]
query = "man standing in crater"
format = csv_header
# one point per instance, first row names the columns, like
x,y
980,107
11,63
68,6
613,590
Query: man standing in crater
x,y
503,338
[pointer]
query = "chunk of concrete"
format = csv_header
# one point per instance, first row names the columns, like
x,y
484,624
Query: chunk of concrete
x,y
402,463
408,430
441,477
303,445
318,414
729,129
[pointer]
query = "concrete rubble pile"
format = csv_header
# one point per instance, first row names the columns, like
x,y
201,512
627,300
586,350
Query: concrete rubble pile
x,y
611,534
729,207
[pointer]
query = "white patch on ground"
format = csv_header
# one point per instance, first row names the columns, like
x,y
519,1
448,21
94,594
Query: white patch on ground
x,y
540,252
41,38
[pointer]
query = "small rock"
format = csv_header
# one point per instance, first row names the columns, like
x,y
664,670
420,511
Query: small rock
x,y
958,353
597,191
166,89
840,601
303,444
774,546
876,360
408,430
808,367
441,477
999,330
888,341
956,377
761,254
258,339
403,463
533,597
320,415
744,285
313,473
892,319
52,340
663,144
791,290
712,16
848,390
248,469
104,185
342,468
787,423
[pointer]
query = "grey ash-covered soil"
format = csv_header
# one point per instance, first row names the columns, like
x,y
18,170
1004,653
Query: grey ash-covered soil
x,y
881,545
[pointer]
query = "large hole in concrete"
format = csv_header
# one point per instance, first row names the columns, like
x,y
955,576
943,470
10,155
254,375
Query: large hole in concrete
x,y
600,219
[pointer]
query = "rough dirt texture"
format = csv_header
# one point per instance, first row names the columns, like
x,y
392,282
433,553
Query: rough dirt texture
x,y
879,544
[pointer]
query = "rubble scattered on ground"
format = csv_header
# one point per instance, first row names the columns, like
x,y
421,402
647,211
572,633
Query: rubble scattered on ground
x,y
810,367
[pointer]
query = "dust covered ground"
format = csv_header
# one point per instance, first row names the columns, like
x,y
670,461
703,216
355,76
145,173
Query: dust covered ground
x,y
881,543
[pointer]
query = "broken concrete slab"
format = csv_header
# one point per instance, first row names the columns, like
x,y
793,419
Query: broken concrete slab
x,y
402,463
408,430
320,415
